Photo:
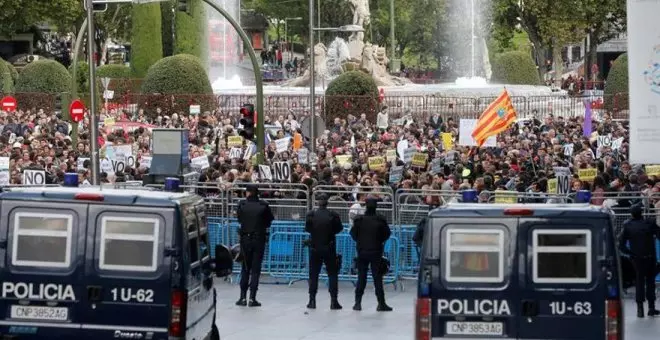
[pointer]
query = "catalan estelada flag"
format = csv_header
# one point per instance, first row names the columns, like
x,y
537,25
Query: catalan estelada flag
x,y
499,115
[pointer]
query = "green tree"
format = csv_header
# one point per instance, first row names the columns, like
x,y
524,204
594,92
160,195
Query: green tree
x,y
604,20
352,92
516,68
190,30
616,87
167,29
146,39
6,80
20,15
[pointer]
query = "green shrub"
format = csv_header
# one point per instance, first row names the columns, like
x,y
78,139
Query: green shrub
x,y
146,39
44,76
12,71
82,74
182,75
190,31
166,20
40,82
120,79
616,87
353,92
6,79
515,68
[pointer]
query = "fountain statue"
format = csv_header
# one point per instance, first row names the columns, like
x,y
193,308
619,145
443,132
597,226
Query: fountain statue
x,y
355,54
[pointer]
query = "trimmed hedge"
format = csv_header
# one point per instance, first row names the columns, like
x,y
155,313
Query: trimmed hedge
x,y
146,39
82,74
166,19
44,76
182,74
515,68
120,78
352,92
12,71
6,79
190,31
616,87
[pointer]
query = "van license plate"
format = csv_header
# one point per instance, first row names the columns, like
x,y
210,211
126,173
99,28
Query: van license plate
x,y
40,313
474,328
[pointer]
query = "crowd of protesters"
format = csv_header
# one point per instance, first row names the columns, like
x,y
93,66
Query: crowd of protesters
x,y
524,158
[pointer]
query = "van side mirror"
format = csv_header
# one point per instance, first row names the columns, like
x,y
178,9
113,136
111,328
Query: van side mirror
x,y
224,263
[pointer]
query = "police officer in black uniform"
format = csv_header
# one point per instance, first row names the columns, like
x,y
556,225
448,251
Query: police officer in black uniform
x,y
322,226
370,231
642,235
255,218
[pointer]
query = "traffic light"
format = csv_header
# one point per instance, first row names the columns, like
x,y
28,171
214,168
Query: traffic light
x,y
100,7
184,6
247,121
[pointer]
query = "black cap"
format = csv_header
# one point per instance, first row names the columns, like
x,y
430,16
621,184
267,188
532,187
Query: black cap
x,y
252,189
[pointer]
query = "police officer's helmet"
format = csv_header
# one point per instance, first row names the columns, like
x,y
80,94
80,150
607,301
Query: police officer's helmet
x,y
236,253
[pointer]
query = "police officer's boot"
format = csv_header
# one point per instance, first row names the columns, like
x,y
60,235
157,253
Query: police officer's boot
x,y
253,300
334,303
242,301
358,303
312,302
640,309
652,310
382,306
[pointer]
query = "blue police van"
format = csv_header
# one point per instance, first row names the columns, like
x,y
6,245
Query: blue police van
x,y
519,271
96,263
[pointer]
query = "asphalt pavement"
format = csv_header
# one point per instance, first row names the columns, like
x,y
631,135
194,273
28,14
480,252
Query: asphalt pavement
x,y
284,316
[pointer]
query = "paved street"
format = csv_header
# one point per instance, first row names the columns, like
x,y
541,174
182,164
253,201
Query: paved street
x,y
284,316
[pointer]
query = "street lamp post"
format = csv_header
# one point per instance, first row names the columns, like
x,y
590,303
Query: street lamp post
x,y
286,35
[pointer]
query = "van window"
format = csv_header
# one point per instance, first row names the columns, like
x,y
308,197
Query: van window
x,y
561,256
42,240
129,244
474,255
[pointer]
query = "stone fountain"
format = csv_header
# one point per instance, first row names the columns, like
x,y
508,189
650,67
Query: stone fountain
x,y
355,54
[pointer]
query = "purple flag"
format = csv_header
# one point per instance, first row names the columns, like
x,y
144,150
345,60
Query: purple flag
x,y
586,127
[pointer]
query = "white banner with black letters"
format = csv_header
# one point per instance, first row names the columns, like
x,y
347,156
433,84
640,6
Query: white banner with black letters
x,y
34,177
281,171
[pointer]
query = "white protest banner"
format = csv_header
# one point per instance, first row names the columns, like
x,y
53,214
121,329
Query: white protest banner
x,y
616,144
282,171
4,170
644,88
4,163
408,154
401,147
34,177
563,175
250,150
303,156
282,144
81,163
106,166
127,152
396,173
235,153
145,162
436,166
265,173
568,150
604,141
201,162
465,128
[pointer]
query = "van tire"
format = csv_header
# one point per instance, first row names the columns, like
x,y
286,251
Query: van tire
x,y
215,334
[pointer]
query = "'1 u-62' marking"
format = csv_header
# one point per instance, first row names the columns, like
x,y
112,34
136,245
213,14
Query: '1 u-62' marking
x,y
132,295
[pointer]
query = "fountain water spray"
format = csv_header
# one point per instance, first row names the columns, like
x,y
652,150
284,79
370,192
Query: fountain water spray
x,y
473,80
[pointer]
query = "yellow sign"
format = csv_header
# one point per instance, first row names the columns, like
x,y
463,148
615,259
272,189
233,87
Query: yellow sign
x,y
587,174
234,141
447,141
344,159
391,155
419,159
552,186
110,121
504,196
653,170
376,163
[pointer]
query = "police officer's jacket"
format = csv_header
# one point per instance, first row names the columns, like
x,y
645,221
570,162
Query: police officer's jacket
x,y
370,231
254,217
641,234
322,225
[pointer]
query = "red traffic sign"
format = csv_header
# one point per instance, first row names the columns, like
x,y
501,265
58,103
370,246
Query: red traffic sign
x,y
77,110
8,104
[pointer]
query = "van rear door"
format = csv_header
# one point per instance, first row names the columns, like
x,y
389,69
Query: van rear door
x,y
563,288
474,287
128,275
41,263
